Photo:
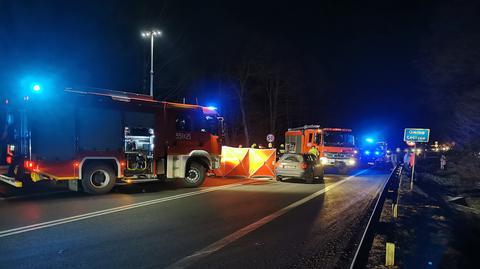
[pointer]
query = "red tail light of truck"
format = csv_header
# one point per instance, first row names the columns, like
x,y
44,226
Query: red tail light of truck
x,y
30,165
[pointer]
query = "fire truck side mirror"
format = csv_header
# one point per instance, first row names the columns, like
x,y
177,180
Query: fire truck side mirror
x,y
222,128
317,139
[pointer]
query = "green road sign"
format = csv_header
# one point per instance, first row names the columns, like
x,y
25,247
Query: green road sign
x,y
416,135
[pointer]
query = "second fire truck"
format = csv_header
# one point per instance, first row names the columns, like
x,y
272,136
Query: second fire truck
x,y
336,145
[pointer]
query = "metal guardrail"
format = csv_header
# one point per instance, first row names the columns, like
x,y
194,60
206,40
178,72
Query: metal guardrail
x,y
389,190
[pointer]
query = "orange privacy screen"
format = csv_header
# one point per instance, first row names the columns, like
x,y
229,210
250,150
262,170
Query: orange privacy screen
x,y
246,162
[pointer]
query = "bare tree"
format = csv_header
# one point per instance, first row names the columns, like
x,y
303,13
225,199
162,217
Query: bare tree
x,y
243,76
467,120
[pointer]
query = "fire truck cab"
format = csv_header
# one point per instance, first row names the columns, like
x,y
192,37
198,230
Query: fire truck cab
x,y
335,145
95,140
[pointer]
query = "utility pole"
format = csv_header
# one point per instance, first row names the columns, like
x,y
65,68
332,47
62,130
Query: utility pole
x,y
413,166
151,34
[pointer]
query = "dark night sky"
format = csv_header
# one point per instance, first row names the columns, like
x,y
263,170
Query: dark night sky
x,y
359,58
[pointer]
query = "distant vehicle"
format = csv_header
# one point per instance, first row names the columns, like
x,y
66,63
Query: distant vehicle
x,y
95,140
336,145
304,166
376,154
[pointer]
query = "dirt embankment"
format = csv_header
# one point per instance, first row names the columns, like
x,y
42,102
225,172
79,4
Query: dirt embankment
x,y
439,220
438,224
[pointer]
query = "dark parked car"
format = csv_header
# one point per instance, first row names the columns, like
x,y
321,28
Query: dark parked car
x,y
304,166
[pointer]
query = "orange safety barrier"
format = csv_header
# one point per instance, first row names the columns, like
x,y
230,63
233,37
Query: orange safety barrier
x,y
262,162
234,162
247,162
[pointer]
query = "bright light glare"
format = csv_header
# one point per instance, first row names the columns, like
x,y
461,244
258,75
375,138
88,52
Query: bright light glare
x,y
151,33
351,162
377,153
324,160
369,140
36,87
212,107
367,152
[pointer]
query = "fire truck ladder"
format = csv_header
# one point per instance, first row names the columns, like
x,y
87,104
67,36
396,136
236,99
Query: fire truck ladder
x,y
305,127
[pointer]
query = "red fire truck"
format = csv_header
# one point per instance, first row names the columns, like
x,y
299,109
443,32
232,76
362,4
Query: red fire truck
x,y
336,145
95,140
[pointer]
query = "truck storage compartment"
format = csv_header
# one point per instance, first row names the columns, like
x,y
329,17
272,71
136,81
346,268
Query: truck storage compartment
x,y
53,133
99,129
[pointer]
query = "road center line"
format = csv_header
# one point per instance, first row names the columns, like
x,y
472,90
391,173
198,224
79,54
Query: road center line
x,y
56,222
216,246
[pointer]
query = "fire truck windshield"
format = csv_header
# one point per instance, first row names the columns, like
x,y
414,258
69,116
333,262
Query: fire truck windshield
x,y
212,125
339,139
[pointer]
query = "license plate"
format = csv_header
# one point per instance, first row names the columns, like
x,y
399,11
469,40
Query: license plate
x,y
288,166
35,177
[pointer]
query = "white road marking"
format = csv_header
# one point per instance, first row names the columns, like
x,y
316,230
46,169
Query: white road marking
x,y
56,222
216,246
382,188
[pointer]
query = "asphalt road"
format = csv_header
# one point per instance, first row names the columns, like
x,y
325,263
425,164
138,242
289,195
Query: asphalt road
x,y
227,223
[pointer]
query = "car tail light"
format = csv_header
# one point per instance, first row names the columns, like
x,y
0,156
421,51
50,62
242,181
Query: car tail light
x,y
9,159
304,165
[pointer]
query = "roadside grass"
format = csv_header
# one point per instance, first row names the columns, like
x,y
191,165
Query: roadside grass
x,y
431,231
460,178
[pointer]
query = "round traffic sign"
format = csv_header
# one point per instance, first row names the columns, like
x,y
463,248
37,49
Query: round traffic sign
x,y
270,138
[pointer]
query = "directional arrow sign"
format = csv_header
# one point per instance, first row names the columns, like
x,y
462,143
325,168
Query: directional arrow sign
x,y
416,135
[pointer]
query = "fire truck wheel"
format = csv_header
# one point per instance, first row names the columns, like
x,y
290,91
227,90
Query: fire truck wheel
x,y
343,170
321,175
195,175
98,179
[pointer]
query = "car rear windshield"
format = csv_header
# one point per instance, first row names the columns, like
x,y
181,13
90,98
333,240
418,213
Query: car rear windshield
x,y
291,158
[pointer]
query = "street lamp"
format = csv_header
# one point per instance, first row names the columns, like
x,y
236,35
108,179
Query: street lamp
x,y
151,34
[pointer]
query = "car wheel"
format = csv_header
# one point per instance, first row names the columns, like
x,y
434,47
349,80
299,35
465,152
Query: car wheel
x,y
279,178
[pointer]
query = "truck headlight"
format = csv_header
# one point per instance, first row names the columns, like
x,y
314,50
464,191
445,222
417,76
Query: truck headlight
x,y
351,162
